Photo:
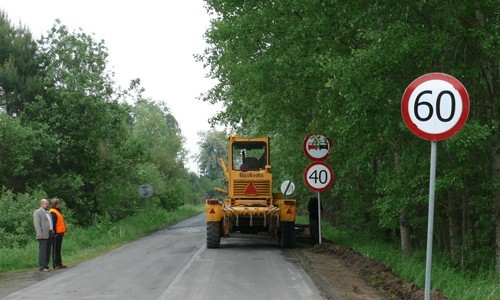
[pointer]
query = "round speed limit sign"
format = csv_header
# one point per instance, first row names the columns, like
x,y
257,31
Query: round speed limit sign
x,y
318,176
435,106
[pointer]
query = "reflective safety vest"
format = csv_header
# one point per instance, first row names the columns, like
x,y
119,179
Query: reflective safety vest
x,y
59,227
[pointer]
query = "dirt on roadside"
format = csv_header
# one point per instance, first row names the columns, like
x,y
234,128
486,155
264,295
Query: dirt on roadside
x,y
13,282
344,274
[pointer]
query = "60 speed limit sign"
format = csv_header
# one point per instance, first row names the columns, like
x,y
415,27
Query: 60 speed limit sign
x,y
318,176
435,106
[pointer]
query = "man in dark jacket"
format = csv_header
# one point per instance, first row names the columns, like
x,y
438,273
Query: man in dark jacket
x,y
312,208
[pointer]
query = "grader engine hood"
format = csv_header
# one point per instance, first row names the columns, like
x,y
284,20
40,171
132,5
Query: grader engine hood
x,y
251,189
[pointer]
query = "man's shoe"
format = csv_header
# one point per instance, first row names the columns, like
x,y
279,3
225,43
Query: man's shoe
x,y
60,267
45,270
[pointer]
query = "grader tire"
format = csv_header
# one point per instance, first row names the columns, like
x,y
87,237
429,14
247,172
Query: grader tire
x,y
213,234
287,237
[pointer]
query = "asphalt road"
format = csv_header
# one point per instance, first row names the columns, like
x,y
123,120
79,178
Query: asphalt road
x,y
175,264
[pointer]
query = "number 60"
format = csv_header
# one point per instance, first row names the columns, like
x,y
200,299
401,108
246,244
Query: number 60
x,y
419,102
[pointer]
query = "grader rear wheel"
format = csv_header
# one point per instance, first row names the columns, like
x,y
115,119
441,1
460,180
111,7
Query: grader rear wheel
x,y
213,234
286,235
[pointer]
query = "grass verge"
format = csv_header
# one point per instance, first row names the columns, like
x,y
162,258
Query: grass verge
x,y
454,283
81,244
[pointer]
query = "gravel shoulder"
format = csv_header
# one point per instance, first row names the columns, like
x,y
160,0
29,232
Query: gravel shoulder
x,y
13,282
344,274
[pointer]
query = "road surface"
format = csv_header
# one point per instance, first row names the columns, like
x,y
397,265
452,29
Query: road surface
x,y
175,264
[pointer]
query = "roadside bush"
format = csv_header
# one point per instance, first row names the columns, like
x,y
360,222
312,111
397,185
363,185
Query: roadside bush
x,y
169,201
16,219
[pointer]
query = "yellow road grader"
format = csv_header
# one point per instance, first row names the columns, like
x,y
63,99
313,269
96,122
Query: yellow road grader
x,y
250,206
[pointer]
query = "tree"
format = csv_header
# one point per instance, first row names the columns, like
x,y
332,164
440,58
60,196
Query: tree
x,y
19,71
341,69
84,125
20,145
156,129
213,146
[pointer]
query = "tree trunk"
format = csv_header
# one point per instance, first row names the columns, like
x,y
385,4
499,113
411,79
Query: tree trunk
x,y
496,176
404,228
404,223
453,226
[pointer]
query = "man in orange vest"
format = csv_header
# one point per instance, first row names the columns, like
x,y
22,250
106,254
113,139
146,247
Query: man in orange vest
x,y
59,230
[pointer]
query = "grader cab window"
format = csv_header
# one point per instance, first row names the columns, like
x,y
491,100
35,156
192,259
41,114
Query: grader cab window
x,y
249,156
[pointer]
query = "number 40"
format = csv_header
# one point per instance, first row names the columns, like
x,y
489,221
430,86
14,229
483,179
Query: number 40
x,y
321,176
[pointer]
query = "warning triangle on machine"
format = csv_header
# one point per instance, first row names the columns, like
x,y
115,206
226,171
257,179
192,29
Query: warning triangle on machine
x,y
251,189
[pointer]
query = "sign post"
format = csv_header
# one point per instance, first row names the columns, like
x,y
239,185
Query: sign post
x,y
318,176
435,107
319,218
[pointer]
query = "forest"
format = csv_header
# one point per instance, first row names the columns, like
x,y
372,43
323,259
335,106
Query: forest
x,y
284,69
68,131
340,68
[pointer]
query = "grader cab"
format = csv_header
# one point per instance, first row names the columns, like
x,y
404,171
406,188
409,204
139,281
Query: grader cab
x,y
250,206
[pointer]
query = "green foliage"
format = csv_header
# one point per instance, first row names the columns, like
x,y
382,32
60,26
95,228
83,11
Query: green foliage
x,y
86,147
19,71
156,129
103,235
454,283
213,146
16,219
82,128
340,69
74,139
20,144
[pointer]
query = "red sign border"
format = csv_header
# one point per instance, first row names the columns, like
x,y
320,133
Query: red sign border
x,y
304,146
465,104
323,164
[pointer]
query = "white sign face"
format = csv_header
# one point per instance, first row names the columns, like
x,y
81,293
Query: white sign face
x,y
317,147
318,176
287,187
435,106
145,190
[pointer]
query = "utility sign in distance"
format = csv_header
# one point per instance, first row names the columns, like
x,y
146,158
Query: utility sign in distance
x,y
287,187
318,176
435,106
146,190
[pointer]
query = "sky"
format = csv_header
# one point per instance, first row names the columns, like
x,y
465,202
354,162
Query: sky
x,y
152,40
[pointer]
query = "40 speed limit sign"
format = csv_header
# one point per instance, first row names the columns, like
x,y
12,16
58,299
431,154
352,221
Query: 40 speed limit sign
x,y
435,106
318,176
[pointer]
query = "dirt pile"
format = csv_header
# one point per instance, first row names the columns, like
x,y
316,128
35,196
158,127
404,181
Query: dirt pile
x,y
345,274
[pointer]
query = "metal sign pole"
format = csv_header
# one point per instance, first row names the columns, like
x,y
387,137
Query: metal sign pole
x,y
430,222
319,218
